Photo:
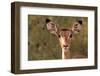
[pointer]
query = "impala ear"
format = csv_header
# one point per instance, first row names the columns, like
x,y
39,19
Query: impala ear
x,y
76,27
51,26
48,20
80,22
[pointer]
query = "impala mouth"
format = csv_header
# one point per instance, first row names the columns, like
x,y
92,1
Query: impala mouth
x,y
65,47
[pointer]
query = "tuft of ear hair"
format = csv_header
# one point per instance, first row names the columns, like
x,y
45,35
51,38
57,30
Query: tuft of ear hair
x,y
80,22
48,20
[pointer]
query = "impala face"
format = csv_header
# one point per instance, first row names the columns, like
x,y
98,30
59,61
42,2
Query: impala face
x,y
65,35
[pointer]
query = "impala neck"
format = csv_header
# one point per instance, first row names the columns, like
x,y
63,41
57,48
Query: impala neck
x,y
65,53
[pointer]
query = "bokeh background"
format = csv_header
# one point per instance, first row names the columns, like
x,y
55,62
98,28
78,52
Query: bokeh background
x,y
42,45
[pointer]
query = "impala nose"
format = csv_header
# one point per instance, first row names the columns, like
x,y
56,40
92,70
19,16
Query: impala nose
x,y
65,45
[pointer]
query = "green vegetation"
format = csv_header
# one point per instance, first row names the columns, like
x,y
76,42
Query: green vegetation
x,y
44,46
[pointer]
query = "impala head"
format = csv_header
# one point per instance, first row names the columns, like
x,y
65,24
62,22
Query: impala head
x,y
65,35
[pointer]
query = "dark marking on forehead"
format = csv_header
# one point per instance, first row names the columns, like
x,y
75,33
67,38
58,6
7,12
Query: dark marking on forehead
x,y
65,30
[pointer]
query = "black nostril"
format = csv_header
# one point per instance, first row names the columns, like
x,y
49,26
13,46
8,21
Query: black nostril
x,y
65,45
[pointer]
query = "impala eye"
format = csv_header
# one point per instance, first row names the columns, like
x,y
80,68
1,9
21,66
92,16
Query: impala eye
x,y
59,36
70,35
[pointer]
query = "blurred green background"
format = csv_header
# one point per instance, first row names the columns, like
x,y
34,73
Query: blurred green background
x,y
42,45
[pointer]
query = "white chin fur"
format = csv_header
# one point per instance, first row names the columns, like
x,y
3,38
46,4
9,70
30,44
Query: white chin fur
x,y
65,48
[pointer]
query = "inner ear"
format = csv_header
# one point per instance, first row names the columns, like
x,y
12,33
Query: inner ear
x,y
52,27
75,25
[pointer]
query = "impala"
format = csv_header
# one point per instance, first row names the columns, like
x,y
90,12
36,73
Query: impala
x,y
64,35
